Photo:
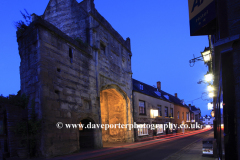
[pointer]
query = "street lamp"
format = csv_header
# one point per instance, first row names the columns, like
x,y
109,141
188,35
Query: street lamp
x,y
212,113
210,88
208,77
211,95
206,54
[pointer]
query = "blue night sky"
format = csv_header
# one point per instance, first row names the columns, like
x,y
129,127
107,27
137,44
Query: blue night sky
x,y
160,42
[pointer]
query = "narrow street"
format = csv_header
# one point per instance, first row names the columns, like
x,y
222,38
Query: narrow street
x,y
181,146
160,150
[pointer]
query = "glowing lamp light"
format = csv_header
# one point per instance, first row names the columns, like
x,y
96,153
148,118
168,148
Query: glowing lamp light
x,y
211,95
210,88
209,77
222,126
212,114
206,54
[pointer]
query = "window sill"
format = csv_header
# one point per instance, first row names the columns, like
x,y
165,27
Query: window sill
x,y
143,135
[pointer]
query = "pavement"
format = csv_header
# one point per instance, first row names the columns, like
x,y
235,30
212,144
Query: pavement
x,y
192,151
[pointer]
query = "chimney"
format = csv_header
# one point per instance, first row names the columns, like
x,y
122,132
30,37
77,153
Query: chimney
x,y
175,94
159,85
189,105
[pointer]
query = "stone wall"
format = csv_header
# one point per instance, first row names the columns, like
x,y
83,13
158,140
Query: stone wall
x,y
66,77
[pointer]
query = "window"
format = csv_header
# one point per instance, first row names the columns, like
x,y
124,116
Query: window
x,y
178,114
103,48
158,93
171,110
182,115
159,128
166,111
187,116
142,129
160,110
142,107
141,87
71,55
166,96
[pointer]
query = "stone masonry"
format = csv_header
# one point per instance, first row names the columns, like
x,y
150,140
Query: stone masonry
x,y
72,61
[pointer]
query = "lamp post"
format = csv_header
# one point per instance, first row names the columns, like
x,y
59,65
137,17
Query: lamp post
x,y
210,88
208,77
206,54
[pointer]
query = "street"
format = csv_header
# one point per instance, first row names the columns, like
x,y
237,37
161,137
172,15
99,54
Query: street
x,y
160,150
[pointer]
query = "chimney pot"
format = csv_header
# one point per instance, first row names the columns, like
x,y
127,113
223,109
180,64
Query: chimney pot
x,y
175,94
159,85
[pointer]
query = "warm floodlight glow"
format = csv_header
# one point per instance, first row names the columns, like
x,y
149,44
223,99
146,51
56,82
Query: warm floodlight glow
x,y
209,77
210,88
206,56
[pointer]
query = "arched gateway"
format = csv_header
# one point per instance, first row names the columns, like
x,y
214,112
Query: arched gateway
x,y
114,111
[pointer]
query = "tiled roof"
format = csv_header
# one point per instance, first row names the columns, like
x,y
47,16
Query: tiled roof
x,y
193,108
150,90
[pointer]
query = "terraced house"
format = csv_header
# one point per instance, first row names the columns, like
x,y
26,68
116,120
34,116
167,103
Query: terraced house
x,y
151,106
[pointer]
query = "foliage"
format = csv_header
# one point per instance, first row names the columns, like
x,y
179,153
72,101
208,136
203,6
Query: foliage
x,y
22,25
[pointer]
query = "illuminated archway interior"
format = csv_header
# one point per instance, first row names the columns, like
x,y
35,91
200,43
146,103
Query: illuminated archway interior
x,y
113,111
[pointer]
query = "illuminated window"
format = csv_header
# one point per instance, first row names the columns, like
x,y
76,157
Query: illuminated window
x,y
142,107
142,129
159,128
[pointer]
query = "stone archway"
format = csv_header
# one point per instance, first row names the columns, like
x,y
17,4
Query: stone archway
x,y
113,112
86,135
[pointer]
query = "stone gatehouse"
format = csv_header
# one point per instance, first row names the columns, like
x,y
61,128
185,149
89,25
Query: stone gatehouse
x,y
77,69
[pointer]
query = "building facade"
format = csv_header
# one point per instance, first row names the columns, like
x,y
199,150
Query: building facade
x,y
181,113
220,20
151,106
77,70
208,120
